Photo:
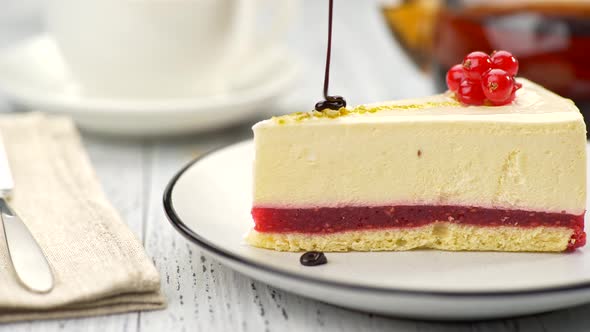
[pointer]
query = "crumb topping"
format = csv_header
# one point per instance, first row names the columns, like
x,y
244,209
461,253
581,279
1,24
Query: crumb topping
x,y
359,110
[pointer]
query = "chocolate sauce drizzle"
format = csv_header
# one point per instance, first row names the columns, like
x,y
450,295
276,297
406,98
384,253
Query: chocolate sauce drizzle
x,y
331,102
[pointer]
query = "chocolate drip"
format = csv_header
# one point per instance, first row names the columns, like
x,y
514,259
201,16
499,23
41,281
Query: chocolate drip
x,y
331,102
313,258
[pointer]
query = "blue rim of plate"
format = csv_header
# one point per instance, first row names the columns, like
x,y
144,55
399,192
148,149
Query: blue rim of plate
x,y
202,242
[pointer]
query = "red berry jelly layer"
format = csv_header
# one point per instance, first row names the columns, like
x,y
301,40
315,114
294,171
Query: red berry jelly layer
x,y
349,218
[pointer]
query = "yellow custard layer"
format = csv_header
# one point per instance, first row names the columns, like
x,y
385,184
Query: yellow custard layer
x,y
529,155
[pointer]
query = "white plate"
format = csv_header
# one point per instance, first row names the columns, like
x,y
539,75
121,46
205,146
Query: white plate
x,y
32,74
209,203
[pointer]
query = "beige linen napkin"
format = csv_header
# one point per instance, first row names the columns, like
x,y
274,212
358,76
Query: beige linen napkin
x,y
100,267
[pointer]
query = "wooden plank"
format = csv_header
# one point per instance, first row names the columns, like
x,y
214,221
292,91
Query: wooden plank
x,y
194,285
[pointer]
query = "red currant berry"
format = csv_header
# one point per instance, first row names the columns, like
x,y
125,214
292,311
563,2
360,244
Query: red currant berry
x,y
517,86
476,64
454,77
497,86
506,61
470,92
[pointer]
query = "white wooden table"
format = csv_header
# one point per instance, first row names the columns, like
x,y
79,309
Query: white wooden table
x,y
206,296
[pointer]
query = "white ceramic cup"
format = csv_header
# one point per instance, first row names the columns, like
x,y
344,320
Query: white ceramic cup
x,y
161,48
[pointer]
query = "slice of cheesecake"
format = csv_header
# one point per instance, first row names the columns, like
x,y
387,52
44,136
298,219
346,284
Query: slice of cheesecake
x,y
423,173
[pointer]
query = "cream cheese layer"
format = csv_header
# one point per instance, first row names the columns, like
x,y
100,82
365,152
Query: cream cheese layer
x,y
529,155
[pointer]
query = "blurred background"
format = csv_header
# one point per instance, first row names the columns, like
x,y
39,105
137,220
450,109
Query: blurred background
x,y
381,50
550,38
367,65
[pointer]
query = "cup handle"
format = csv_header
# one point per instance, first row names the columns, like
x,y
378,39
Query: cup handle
x,y
284,12
260,53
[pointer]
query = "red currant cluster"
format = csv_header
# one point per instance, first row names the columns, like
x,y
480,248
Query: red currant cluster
x,y
483,79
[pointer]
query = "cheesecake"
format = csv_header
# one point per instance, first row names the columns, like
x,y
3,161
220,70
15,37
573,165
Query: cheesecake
x,y
423,173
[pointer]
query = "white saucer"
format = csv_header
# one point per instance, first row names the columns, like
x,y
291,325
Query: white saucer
x,y
32,75
209,203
